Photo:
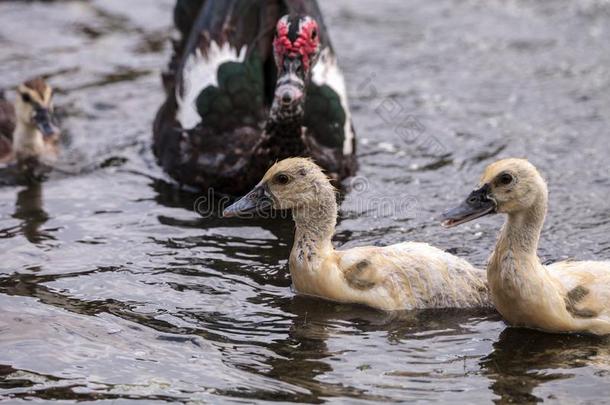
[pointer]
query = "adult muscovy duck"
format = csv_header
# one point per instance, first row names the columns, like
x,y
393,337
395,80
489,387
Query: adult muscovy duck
x,y
251,82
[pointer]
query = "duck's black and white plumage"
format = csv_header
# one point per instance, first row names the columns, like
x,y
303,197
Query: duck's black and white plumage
x,y
251,82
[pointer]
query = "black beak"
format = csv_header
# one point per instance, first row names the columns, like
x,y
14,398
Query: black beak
x,y
256,201
477,204
44,121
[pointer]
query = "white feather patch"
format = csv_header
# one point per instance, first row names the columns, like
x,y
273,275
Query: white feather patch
x,y
200,72
327,72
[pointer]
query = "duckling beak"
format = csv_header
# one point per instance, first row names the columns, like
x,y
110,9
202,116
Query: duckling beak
x,y
255,202
478,204
44,121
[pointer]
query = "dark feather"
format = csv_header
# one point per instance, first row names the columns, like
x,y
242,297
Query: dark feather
x,y
185,13
7,117
324,116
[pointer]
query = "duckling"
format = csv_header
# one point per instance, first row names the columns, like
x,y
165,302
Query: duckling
x,y
563,297
27,129
403,276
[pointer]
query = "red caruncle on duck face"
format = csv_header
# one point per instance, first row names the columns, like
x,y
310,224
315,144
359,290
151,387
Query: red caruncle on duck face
x,y
296,38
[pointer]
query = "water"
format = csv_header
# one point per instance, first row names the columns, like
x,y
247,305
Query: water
x,y
113,290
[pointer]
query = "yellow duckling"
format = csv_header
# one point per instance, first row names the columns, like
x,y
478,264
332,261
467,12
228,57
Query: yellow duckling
x,y
27,130
562,297
398,277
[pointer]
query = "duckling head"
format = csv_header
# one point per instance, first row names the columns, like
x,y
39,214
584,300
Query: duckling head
x,y
507,186
293,183
34,107
296,49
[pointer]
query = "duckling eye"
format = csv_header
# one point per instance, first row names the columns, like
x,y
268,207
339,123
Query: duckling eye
x,y
26,98
282,179
506,179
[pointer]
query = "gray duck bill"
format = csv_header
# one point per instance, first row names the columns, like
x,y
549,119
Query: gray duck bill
x,y
256,201
44,121
477,205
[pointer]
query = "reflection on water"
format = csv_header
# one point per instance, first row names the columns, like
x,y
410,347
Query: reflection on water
x,y
29,209
113,289
523,360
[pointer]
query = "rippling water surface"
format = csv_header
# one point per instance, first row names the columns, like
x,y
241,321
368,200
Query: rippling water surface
x,y
113,290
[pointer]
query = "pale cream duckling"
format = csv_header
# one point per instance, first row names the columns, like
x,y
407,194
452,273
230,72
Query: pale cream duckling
x,y
27,130
398,277
563,297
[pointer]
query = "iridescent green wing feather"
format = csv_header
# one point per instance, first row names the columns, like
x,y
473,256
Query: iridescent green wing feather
x,y
324,116
237,100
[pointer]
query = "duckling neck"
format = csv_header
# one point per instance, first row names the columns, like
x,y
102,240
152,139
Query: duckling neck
x,y
27,141
514,258
315,226
521,232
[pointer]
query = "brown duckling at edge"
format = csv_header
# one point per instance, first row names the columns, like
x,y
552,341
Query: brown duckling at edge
x,y
27,128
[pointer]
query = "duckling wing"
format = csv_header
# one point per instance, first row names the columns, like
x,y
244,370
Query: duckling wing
x,y
587,286
414,276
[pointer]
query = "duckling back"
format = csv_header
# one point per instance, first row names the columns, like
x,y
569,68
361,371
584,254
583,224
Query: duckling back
x,y
587,289
413,276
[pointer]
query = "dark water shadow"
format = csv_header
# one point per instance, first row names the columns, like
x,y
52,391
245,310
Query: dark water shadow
x,y
303,355
30,210
523,359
